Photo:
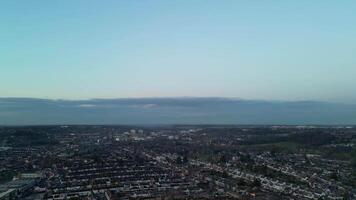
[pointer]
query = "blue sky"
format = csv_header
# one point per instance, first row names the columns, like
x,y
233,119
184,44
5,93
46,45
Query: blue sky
x,y
281,50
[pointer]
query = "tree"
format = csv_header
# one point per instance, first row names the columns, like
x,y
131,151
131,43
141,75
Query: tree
x,y
256,183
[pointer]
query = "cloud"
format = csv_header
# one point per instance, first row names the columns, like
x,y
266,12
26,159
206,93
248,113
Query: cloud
x,y
87,105
145,106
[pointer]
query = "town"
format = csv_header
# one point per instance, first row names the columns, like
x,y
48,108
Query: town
x,y
178,162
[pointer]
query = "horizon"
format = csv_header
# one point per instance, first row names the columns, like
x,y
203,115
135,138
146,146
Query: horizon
x,y
198,125
186,110
179,97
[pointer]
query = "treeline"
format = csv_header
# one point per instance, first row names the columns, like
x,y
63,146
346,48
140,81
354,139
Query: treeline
x,y
30,138
317,138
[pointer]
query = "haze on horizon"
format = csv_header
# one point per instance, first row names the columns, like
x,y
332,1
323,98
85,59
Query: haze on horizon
x,y
271,50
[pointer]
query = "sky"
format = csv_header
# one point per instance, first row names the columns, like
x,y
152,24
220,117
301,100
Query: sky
x,y
270,50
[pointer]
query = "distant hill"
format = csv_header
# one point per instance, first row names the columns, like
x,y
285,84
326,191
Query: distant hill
x,y
27,111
